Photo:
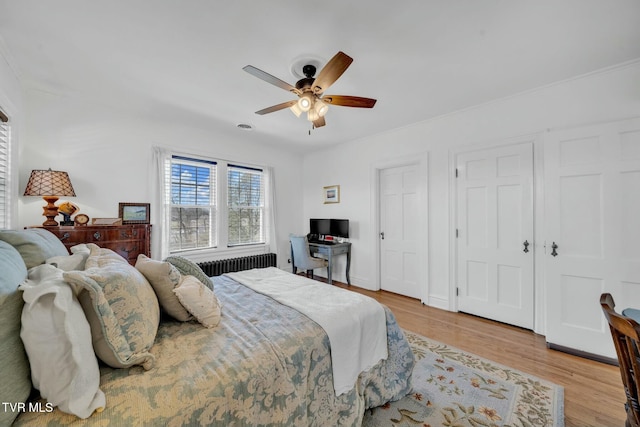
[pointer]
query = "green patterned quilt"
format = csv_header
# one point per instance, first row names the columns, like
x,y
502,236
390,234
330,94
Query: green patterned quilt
x,y
264,365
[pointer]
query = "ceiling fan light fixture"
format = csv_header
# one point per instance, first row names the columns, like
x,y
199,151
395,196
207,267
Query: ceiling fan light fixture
x,y
312,115
305,102
295,109
321,107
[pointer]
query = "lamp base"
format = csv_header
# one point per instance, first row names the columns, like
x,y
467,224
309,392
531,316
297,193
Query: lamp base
x,y
50,211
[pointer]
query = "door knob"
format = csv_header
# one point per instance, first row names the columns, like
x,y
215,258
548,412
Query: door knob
x,y
554,247
526,246
382,235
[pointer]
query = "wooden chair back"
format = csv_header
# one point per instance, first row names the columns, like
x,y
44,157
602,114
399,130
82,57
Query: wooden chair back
x,y
626,338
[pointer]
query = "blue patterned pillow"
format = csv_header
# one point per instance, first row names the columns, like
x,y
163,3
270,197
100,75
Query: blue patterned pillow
x,y
121,307
14,369
34,244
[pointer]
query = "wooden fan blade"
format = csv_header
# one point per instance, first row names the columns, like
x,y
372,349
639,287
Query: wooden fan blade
x,y
349,101
277,107
331,72
318,123
270,79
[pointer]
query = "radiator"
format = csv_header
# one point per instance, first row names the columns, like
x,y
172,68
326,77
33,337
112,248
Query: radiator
x,y
219,267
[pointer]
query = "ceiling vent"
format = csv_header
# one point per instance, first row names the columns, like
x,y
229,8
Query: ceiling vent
x,y
244,126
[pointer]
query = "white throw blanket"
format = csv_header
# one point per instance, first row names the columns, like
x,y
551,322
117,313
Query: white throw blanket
x,y
355,324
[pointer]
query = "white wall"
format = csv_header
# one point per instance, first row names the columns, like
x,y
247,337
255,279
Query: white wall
x,y
108,156
608,95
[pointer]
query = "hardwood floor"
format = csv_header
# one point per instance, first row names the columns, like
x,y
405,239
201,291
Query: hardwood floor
x,y
594,396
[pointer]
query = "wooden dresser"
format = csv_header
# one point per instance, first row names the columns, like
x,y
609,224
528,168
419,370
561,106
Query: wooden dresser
x,y
127,240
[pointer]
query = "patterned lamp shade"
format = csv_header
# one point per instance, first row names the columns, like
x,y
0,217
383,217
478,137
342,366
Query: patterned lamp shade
x,y
49,185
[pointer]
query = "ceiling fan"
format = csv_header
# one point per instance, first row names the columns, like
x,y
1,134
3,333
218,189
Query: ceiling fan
x,y
310,90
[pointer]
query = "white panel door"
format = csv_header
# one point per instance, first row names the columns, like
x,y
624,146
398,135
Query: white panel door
x,y
592,186
399,208
495,233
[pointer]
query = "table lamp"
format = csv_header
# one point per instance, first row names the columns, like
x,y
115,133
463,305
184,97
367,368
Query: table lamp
x,y
50,185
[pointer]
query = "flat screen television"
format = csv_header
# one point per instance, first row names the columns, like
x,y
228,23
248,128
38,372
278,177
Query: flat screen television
x,y
339,228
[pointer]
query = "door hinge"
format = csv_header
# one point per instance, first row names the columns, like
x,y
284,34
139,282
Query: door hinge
x,y
456,233
456,172
457,291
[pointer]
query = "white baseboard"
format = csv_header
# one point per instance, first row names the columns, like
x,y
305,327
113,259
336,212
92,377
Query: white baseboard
x,y
438,302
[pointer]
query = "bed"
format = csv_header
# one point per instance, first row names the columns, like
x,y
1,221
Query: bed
x,y
263,364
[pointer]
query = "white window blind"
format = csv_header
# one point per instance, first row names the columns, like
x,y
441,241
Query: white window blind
x,y
5,181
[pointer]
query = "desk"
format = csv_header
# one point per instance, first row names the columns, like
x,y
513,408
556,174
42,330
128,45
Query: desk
x,y
330,251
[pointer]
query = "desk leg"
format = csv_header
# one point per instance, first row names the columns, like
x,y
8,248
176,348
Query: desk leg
x,y
348,265
330,264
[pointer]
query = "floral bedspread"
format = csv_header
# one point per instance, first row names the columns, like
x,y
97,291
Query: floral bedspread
x,y
264,365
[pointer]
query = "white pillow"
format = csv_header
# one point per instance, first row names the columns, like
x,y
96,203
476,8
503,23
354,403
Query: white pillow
x,y
199,300
81,248
68,262
75,261
57,339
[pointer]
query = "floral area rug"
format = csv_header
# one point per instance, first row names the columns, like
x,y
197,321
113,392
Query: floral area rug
x,y
452,388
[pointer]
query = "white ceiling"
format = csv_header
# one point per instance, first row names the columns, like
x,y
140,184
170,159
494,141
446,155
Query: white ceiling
x,y
182,60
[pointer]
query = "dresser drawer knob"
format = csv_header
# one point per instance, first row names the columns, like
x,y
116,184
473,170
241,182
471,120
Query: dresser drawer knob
x,y
97,235
65,236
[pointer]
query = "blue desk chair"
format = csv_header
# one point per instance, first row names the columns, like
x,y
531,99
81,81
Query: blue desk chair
x,y
301,257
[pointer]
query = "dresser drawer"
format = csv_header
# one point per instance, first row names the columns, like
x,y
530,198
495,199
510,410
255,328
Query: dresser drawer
x,y
108,235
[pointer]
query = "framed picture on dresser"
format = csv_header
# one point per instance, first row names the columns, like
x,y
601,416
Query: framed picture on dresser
x,y
134,213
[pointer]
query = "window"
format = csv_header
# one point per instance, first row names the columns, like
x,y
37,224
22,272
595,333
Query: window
x,y
245,207
199,217
193,204
5,158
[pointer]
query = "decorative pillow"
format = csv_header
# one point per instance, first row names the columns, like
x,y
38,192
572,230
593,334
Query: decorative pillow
x,y
15,385
121,308
199,300
187,267
163,277
35,245
57,338
68,262
75,261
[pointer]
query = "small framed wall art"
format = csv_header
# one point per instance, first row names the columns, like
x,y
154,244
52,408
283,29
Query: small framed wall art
x,y
332,194
134,213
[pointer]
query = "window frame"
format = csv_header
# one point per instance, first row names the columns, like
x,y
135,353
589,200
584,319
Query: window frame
x,y
211,206
230,167
221,223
